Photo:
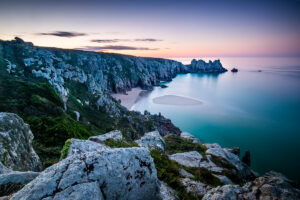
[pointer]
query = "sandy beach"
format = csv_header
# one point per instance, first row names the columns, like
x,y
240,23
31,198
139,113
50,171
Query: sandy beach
x,y
129,99
176,100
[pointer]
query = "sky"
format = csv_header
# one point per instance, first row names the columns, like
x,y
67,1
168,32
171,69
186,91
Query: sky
x,y
164,28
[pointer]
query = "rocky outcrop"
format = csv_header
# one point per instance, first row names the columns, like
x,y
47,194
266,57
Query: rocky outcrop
x,y
202,66
234,70
163,125
152,140
16,150
13,181
189,136
194,187
217,150
189,159
115,135
125,173
270,186
166,193
195,159
83,146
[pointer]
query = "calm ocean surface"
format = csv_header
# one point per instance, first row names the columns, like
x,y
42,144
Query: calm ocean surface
x,y
256,111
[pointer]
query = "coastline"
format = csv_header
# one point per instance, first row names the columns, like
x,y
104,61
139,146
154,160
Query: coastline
x,y
130,98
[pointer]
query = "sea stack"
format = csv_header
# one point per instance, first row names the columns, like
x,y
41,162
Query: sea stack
x,y
234,70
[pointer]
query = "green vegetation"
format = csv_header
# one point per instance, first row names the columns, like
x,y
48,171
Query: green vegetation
x,y
51,133
168,171
28,98
204,176
65,150
177,144
120,143
56,130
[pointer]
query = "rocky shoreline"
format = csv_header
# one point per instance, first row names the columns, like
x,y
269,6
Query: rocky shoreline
x,y
108,167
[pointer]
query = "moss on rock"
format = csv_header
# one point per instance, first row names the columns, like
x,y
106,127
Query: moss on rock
x,y
65,150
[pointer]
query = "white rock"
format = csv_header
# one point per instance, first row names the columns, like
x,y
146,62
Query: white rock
x,y
115,135
152,140
194,187
217,150
189,136
83,146
166,193
189,159
123,173
16,151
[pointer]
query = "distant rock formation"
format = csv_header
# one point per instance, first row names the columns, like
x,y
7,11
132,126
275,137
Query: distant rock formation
x,y
234,70
202,66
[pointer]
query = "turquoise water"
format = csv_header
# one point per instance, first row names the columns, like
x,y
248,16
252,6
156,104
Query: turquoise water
x,y
256,111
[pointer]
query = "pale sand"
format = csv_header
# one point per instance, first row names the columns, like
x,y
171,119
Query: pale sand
x,y
176,100
129,99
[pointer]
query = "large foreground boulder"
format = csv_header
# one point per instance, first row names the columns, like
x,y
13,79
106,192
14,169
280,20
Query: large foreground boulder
x,y
272,185
124,173
16,150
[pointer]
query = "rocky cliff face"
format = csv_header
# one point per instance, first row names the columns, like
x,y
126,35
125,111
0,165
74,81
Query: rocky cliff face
x,y
100,72
16,150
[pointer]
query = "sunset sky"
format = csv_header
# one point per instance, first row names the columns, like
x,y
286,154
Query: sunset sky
x,y
162,28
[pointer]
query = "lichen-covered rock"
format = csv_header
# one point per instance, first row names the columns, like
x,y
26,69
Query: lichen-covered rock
x,y
194,187
152,140
16,150
83,146
226,192
208,164
270,186
189,159
13,181
166,193
124,173
115,135
189,136
195,159
217,150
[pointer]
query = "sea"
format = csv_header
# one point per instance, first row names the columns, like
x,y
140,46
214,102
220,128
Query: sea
x,y
256,109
